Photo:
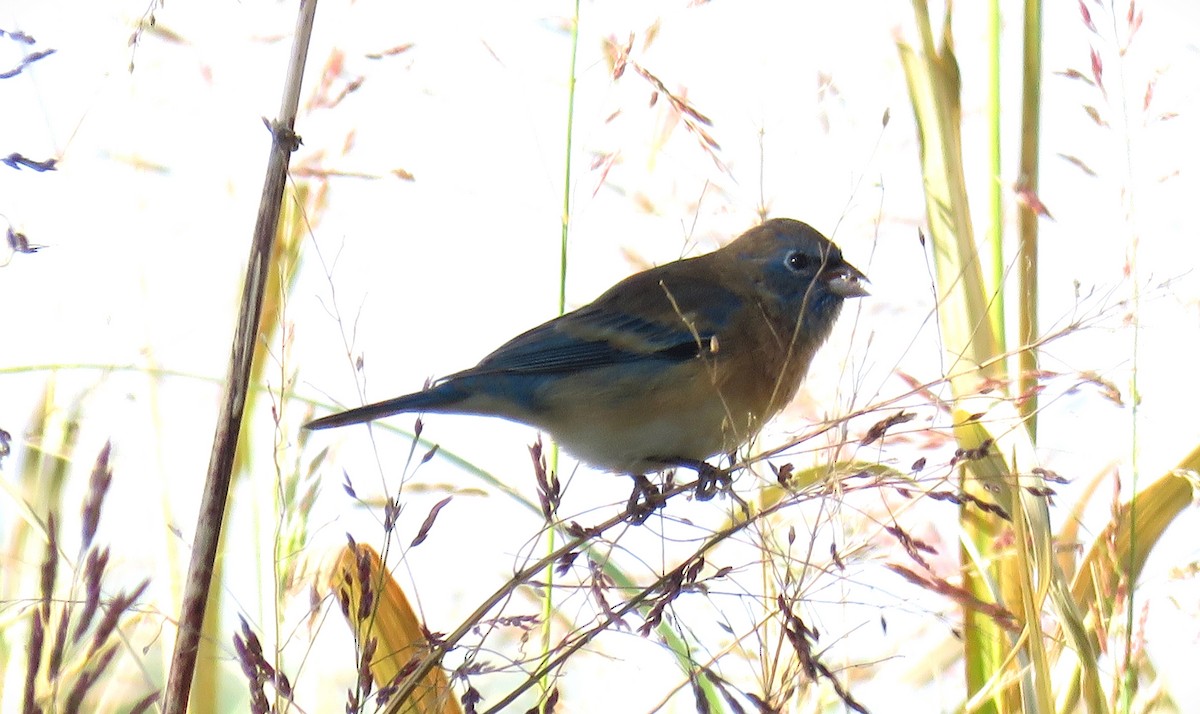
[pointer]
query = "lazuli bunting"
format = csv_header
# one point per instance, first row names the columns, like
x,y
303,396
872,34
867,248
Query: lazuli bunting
x,y
669,366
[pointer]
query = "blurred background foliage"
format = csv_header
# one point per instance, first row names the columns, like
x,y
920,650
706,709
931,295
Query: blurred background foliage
x,y
981,499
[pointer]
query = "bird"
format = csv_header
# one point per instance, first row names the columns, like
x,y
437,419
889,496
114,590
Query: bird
x,y
669,367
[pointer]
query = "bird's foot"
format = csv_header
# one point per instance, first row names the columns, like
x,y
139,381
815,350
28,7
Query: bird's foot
x,y
710,479
644,501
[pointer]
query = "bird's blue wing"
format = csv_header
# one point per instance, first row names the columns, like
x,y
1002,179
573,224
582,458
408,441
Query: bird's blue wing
x,y
560,346
657,315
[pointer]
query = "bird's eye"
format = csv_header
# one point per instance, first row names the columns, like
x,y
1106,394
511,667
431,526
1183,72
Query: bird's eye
x,y
800,262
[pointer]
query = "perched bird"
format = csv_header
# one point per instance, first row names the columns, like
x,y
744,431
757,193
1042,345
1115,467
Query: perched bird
x,y
669,366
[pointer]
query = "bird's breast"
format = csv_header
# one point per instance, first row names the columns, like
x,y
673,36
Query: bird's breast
x,y
629,418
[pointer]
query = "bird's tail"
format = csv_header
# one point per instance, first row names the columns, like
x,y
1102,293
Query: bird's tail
x,y
438,399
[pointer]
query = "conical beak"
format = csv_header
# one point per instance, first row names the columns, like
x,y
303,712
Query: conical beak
x,y
847,281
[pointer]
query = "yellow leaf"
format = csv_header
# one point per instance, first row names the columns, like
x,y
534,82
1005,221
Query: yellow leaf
x,y
378,611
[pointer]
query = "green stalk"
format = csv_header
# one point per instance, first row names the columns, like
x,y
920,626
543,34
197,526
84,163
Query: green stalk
x,y
995,189
566,208
548,599
1027,216
971,347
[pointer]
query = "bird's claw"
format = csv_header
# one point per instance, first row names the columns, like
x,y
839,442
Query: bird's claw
x,y
644,501
648,498
709,480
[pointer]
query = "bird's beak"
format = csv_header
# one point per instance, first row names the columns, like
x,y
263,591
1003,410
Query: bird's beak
x,y
847,281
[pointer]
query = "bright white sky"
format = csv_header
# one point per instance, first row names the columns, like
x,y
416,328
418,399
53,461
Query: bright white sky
x,y
147,222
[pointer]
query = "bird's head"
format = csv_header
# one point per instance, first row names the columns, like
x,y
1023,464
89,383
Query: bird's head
x,y
799,274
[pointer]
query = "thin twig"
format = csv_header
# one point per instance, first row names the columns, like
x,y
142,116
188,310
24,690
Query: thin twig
x,y
233,401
